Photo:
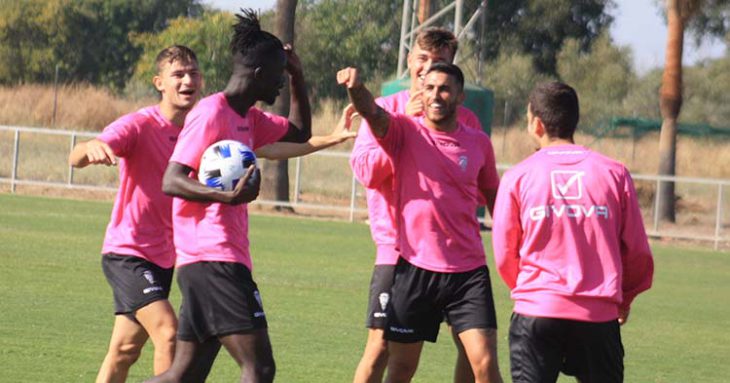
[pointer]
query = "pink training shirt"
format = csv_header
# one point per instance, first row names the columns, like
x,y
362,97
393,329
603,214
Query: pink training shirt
x,y
439,181
374,171
208,231
568,236
141,224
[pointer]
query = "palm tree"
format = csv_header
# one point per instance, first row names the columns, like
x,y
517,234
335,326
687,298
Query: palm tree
x,y
679,13
275,181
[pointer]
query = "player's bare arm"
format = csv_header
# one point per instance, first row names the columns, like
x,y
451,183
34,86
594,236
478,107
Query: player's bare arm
x,y
176,183
92,152
300,113
363,101
341,133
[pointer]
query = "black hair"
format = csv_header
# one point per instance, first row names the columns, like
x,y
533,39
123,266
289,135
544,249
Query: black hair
x,y
557,106
250,41
449,69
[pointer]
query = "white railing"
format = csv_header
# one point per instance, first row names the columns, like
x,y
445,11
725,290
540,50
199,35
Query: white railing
x,y
352,208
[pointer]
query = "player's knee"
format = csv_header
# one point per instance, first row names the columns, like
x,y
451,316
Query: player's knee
x,y
265,370
125,354
401,370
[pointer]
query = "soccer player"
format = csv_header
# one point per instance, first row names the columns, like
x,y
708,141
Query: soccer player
x,y
569,242
373,169
221,302
441,170
138,255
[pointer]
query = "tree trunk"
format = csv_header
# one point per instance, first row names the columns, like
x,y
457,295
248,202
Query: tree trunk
x,y
670,102
275,174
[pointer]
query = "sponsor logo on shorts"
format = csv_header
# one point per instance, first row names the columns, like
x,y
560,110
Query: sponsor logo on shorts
x,y
149,276
258,314
151,289
258,298
380,315
402,330
383,298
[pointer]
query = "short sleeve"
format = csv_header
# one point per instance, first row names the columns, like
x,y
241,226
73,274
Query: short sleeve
x,y
199,133
121,135
267,128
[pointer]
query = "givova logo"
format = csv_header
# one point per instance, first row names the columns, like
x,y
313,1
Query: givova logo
x,y
567,184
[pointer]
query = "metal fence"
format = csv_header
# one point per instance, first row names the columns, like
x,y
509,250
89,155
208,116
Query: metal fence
x,y
705,228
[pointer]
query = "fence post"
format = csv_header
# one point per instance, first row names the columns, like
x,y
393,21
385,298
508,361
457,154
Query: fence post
x,y
718,218
353,192
14,172
656,206
71,168
297,179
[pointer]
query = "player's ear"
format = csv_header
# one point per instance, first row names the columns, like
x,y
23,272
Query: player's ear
x,y
157,82
462,97
539,127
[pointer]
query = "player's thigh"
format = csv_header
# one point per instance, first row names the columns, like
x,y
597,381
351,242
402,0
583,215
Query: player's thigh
x,y
250,348
413,315
536,348
158,318
468,302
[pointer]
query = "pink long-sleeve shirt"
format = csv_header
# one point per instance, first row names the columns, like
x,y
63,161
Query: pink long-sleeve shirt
x,y
439,179
141,220
374,170
568,236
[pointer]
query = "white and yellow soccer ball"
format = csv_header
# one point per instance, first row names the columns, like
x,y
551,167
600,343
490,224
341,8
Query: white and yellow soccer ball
x,y
224,163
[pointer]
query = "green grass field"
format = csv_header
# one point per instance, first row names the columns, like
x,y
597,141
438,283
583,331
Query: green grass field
x,y
56,308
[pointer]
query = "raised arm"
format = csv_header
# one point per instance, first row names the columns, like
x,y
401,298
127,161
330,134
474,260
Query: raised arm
x,y
363,100
300,113
176,183
283,150
92,152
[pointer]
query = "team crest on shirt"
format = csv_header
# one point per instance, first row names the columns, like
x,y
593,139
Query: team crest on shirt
x,y
463,162
149,276
383,298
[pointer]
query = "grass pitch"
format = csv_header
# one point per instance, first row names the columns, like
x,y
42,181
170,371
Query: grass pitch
x,y
56,308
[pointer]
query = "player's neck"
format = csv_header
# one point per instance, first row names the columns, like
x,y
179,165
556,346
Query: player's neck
x,y
546,141
239,95
173,114
443,126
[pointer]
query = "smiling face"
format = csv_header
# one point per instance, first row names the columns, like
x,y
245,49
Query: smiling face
x,y
420,60
179,83
441,97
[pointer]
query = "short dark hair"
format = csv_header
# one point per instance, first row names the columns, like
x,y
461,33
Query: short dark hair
x,y
449,69
434,38
557,106
250,41
174,53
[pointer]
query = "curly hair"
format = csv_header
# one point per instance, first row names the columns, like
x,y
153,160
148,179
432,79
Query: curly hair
x,y
249,40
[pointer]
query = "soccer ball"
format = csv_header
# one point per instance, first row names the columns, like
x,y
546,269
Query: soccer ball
x,y
224,163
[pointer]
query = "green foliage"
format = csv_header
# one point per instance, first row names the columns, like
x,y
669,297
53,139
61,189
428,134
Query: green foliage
x,y
208,36
88,39
511,77
539,28
333,34
602,77
706,97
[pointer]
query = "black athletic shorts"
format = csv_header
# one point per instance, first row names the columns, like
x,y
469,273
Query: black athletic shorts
x,y
218,298
135,282
380,285
541,348
421,298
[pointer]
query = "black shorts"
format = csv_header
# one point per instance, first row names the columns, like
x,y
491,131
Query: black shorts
x,y
541,348
135,282
218,298
380,285
422,298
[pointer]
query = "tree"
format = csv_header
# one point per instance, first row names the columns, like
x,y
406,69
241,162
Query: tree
x,y
539,28
679,13
208,36
275,182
